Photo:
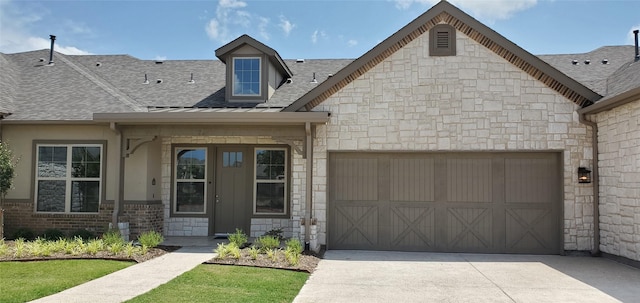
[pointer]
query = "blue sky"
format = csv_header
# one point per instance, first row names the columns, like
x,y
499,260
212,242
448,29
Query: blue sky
x,y
296,28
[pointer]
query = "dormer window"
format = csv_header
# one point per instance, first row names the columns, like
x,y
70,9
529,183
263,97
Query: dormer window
x,y
246,76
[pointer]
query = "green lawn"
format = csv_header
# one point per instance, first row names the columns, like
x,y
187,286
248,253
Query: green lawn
x,y
223,283
26,281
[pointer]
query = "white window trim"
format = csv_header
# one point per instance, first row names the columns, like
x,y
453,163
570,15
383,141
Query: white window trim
x,y
174,203
233,74
67,178
284,181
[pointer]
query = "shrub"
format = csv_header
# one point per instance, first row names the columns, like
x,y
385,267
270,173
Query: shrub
x,y
239,238
19,248
116,248
292,256
150,239
294,244
266,243
4,248
94,246
130,249
276,232
53,234
272,254
24,233
221,251
112,236
82,233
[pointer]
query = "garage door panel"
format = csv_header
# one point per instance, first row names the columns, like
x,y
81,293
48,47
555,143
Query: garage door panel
x,y
411,179
469,180
457,202
469,229
412,228
356,226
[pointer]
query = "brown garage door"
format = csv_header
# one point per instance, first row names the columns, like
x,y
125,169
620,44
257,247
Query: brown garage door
x,y
444,202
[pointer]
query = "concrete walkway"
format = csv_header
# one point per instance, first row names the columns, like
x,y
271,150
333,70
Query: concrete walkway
x,y
136,279
365,276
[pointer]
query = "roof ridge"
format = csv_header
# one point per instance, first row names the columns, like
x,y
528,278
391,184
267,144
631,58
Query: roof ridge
x,y
102,83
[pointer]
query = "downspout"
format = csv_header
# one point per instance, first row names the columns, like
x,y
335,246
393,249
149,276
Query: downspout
x,y
308,184
595,251
120,184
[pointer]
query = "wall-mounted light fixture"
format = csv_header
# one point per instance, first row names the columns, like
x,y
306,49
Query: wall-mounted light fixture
x,y
584,175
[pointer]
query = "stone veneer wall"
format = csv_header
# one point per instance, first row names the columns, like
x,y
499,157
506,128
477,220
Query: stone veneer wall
x,y
474,101
184,226
619,163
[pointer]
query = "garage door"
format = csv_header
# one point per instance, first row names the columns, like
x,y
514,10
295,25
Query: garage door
x,y
463,202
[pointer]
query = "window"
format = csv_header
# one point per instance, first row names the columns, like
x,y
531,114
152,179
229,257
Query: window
x,y
270,182
246,77
68,178
442,40
190,180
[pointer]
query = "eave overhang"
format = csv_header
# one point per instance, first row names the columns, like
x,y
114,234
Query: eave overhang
x,y
611,103
274,57
213,118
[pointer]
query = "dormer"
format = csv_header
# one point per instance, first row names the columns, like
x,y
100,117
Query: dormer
x,y
254,71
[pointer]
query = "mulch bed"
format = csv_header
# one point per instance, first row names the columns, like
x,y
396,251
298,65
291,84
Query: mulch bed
x,y
308,261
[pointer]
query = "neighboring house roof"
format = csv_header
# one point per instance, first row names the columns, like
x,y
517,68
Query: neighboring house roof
x,y
623,87
592,68
447,13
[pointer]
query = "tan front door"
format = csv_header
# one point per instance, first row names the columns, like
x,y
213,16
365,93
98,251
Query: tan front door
x,y
446,202
232,189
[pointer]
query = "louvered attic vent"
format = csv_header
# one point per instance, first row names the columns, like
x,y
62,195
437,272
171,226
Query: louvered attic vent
x,y
442,40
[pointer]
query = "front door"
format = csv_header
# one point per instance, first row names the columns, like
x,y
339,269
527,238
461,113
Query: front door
x,y
232,190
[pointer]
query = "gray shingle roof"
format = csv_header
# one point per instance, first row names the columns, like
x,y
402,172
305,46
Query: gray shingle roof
x,y
594,74
75,87
626,78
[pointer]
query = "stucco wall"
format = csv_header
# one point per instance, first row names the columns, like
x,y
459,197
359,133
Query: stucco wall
x,y
181,226
619,163
475,101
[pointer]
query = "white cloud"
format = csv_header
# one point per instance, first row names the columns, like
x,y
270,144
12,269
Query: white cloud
x,y
231,4
262,27
231,17
492,10
317,34
15,35
160,58
286,25
213,29
352,43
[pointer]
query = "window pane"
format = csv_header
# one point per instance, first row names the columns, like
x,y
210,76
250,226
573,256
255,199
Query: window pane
x,y
52,161
85,162
270,198
51,195
191,164
270,164
246,76
85,196
190,197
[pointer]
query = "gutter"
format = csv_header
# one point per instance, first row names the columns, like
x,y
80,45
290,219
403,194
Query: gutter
x,y
120,184
595,251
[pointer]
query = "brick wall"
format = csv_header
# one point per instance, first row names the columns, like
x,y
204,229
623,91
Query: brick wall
x,y
141,217
474,101
619,163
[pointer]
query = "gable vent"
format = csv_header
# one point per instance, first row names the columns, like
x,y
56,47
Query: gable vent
x,y
442,40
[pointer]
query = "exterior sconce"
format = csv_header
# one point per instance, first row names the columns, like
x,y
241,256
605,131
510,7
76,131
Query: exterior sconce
x,y
584,175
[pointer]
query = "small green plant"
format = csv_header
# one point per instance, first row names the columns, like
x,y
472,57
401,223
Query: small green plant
x,y
58,245
40,247
20,248
4,248
53,234
272,254
94,246
239,238
234,251
292,256
83,234
130,249
221,251
294,244
253,252
24,233
276,232
266,243
116,248
112,236
150,239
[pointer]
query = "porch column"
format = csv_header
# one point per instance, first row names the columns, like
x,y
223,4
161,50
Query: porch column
x,y
308,184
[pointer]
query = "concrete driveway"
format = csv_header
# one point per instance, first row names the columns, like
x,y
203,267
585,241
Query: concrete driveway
x,y
366,276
